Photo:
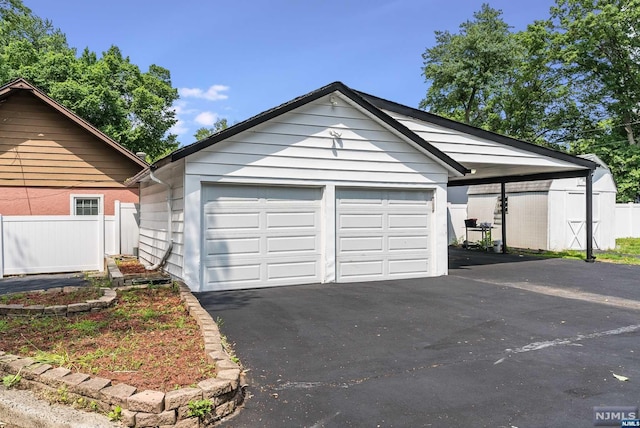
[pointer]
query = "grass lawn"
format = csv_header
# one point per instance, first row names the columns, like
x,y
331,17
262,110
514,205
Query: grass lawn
x,y
627,251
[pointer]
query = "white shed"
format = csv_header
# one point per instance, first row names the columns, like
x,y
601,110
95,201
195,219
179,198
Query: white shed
x,y
333,186
549,214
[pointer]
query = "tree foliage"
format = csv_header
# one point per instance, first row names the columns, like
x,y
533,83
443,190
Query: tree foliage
x,y
465,68
570,82
600,47
205,132
131,106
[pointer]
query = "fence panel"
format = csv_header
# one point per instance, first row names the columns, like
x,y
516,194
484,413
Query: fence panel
x,y
49,244
456,214
129,231
627,224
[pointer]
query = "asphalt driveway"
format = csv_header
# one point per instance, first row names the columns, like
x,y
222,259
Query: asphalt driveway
x,y
16,284
502,341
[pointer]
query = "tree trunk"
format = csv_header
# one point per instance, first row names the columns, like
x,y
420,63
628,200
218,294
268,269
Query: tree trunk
x,y
630,137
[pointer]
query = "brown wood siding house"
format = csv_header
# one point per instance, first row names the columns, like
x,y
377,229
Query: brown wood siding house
x,y
52,162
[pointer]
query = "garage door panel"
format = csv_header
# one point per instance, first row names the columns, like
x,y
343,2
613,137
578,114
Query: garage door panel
x,y
410,266
360,269
290,220
399,198
408,243
408,221
249,273
260,236
356,197
292,244
236,246
359,244
396,245
233,221
360,221
232,194
297,271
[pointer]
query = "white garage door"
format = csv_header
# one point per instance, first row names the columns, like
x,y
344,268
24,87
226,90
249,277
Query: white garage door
x,y
260,236
382,234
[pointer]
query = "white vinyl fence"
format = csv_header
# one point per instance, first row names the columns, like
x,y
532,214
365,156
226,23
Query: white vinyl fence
x,y
627,220
49,244
456,214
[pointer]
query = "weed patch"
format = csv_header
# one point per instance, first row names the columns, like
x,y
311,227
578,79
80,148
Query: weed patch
x,y
146,340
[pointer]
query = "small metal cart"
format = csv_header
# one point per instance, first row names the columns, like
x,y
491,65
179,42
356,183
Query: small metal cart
x,y
485,230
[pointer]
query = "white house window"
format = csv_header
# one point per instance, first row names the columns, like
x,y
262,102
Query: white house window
x,y
86,204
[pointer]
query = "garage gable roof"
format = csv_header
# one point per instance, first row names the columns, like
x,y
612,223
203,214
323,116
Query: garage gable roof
x,y
340,87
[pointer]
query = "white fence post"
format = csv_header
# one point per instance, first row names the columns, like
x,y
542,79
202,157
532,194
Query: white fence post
x,y
1,249
117,228
101,252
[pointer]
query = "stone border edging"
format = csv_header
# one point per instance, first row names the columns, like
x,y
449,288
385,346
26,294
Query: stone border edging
x,y
147,408
107,299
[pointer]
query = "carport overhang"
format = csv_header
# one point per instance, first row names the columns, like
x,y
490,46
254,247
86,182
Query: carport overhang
x,y
503,173
518,161
500,174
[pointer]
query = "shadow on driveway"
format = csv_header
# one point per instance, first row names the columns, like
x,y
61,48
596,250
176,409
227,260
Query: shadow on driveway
x,y
18,284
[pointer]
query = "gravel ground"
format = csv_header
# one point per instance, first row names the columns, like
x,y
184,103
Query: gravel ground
x,y
21,409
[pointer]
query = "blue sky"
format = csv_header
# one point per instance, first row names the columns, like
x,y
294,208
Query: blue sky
x,y
234,59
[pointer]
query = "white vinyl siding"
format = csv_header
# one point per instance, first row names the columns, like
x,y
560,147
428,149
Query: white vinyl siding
x,y
260,236
382,234
318,142
153,220
486,156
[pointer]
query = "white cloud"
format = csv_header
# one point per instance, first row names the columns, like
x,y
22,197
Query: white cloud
x,y
179,128
206,118
180,107
214,93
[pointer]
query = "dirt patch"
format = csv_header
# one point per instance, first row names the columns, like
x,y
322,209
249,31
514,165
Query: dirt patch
x,y
147,340
129,266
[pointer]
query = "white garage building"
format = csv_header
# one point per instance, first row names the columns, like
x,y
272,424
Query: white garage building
x,y
333,186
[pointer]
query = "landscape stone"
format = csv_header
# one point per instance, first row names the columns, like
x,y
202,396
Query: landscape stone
x,y
225,409
74,378
117,394
53,376
128,418
185,423
91,387
181,397
154,419
34,309
20,363
56,309
226,364
146,401
32,372
214,387
78,307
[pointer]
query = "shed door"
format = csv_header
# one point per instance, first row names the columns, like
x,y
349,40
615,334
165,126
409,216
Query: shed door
x,y
260,236
382,234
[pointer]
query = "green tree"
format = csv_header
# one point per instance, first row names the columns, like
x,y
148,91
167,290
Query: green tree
x,y
205,132
131,106
465,69
599,43
599,48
